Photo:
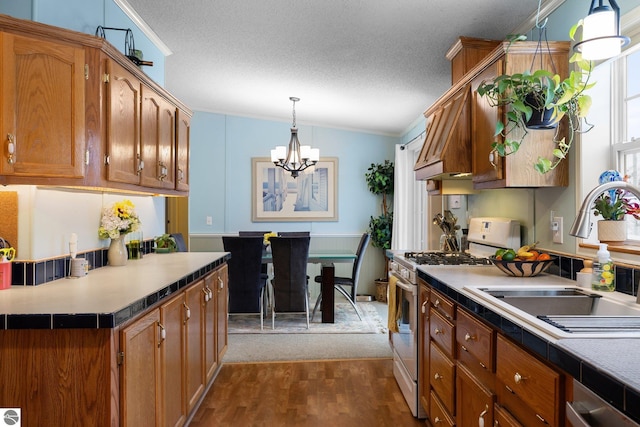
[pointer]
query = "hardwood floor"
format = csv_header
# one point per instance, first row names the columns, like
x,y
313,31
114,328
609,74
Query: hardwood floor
x,y
305,393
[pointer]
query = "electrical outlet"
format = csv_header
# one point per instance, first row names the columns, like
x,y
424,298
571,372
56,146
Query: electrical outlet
x,y
556,227
209,220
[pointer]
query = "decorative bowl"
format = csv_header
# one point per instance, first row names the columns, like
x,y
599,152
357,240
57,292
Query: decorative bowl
x,y
522,268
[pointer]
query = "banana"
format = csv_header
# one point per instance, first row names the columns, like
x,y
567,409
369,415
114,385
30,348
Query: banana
x,y
524,251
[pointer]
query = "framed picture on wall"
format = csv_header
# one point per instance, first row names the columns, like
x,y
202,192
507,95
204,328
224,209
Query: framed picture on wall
x,y
277,196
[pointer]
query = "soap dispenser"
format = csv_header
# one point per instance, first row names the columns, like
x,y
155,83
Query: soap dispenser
x,y
603,278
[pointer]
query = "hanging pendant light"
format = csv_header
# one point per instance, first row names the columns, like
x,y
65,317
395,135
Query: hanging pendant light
x,y
297,158
601,37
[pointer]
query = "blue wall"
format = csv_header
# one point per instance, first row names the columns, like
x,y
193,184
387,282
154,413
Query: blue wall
x,y
221,151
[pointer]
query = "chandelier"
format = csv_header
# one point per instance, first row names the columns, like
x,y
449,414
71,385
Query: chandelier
x,y
297,158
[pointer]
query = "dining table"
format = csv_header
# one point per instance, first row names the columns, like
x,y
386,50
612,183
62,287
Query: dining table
x,y
327,272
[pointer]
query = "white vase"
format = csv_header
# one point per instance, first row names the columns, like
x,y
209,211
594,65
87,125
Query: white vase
x,y
117,253
612,232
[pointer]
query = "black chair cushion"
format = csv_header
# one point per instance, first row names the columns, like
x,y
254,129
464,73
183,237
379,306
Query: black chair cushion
x,y
290,258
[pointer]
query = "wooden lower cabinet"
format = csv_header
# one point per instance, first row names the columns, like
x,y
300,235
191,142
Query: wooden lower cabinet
x,y
474,401
502,418
222,310
423,343
140,373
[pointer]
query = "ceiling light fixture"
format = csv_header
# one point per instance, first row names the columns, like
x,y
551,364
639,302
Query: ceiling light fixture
x,y
601,37
297,158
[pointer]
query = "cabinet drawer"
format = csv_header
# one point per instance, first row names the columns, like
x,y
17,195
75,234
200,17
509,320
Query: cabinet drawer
x,y
442,377
442,332
476,338
502,418
486,377
524,376
438,414
443,304
474,402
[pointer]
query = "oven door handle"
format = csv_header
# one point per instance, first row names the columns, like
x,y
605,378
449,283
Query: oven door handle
x,y
406,286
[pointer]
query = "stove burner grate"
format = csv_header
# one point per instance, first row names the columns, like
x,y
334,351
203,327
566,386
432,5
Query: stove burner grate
x,y
445,258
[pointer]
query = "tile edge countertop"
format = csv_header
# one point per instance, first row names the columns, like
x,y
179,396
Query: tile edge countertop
x,y
607,365
107,296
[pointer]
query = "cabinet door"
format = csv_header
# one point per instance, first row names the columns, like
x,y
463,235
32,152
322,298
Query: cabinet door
x,y
140,374
173,317
157,140
195,306
42,110
222,310
210,353
124,162
474,403
423,342
183,133
487,164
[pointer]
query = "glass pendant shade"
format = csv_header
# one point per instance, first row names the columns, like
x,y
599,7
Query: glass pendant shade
x,y
601,37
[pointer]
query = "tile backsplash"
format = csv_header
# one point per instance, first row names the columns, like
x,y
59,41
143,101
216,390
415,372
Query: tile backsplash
x,y
33,273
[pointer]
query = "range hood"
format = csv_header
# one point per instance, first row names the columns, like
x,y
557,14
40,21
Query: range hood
x,y
446,152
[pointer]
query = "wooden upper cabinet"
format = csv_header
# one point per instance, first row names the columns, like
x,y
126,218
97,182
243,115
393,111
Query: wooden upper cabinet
x,y
447,145
515,170
183,133
42,108
157,139
124,159
466,53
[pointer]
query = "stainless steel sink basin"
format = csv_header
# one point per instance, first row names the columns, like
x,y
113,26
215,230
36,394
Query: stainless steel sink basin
x,y
566,311
539,302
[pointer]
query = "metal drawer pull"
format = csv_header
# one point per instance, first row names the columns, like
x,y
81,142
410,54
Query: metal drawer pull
x,y
437,420
463,348
187,313
11,148
437,376
509,389
482,414
436,303
438,331
517,378
424,306
206,294
469,337
483,365
541,419
163,333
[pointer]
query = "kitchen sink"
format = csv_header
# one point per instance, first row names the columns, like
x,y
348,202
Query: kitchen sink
x,y
566,311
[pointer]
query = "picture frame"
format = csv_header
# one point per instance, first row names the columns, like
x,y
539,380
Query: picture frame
x,y
277,196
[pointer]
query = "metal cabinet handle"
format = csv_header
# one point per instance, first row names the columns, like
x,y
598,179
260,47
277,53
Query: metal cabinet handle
x,y
437,331
469,337
162,333
180,175
436,303
482,414
517,378
220,283
437,376
206,294
11,148
210,292
424,306
492,158
437,420
187,313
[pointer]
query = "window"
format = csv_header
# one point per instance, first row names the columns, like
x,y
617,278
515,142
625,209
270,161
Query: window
x,y
614,142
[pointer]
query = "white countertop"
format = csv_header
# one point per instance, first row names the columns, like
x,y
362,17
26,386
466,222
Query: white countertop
x,y
615,355
106,289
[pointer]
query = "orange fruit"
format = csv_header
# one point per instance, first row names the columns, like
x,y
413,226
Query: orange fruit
x,y
544,257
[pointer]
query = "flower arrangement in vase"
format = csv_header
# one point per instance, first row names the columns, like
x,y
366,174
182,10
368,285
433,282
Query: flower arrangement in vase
x,y
117,220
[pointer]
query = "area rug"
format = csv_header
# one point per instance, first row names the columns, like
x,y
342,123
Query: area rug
x,y
346,322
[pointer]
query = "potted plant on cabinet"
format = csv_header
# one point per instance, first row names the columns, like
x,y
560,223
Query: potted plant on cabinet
x,y
380,182
539,94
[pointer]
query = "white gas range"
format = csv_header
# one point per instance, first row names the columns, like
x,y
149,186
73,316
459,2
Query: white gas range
x,y
485,236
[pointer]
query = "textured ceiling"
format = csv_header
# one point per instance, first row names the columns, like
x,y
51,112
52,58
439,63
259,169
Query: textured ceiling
x,y
371,65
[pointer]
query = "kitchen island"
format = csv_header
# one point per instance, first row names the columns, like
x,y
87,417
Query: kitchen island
x,y
605,363
131,345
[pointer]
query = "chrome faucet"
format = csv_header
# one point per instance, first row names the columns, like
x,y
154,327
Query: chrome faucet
x,y
582,225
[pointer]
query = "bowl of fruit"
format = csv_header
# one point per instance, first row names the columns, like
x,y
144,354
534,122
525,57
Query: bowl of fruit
x,y
524,262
